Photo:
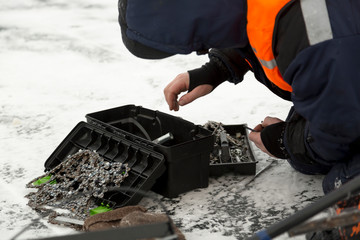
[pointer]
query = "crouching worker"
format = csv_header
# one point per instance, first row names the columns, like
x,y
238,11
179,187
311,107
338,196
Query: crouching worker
x,y
304,51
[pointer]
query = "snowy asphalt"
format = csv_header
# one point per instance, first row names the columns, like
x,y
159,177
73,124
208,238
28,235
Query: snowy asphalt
x,y
60,60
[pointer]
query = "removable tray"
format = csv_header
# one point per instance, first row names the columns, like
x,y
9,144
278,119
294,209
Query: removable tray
x,y
234,166
186,156
146,165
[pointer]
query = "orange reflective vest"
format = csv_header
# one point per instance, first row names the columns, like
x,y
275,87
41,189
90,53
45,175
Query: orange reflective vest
x,y
261,15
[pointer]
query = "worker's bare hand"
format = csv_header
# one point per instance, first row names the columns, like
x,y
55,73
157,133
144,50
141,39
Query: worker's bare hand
x,y
255,137
181,84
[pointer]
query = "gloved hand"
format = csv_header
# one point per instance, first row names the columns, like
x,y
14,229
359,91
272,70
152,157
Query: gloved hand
x,y
224,64
269,137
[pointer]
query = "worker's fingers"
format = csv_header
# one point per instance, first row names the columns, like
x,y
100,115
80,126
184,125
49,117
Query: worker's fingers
x,y
255,137
259,128
270,120
174,88
197,92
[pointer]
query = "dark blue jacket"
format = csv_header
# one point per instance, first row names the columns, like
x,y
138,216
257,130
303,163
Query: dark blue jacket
x,y
181,27
325,77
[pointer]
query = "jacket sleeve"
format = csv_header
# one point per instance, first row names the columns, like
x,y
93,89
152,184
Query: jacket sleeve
x,y
325,81
225,64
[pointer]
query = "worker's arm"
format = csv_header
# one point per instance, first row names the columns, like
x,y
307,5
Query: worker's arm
x,y
224,64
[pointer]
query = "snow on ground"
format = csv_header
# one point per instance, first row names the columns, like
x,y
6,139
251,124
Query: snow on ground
x,y
60,60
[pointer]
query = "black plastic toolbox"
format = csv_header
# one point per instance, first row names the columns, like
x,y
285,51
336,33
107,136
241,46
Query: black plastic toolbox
x,y
247,164
186,155
127,133
146,165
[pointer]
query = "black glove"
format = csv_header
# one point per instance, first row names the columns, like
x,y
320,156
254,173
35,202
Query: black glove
x,y
231,61
273,139
225,64
293,132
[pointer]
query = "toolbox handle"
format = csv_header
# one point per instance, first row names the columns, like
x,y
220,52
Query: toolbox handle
x,y
138,125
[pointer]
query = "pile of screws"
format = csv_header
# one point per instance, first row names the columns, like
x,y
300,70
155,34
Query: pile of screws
x,y
77,183
237,145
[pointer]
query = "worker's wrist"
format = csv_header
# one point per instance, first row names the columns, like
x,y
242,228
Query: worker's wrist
x,y
209,73
273,139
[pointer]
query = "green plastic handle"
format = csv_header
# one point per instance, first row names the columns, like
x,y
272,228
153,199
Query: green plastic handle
x,y
43,180
100,209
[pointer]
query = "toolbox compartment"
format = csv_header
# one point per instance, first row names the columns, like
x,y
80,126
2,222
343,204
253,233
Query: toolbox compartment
x,y
186,155
146,165
235,166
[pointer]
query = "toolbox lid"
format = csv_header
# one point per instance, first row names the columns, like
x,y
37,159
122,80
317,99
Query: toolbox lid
x,y
145,164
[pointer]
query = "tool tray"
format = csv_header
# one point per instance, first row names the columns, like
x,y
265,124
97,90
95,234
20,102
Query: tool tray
x,y
243,163
146,165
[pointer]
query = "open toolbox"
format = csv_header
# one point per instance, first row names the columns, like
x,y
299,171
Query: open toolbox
x,y
186,154
130,134
232,152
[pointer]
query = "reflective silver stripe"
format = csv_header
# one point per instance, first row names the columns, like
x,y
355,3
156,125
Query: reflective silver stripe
x,y
317,20
269,64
